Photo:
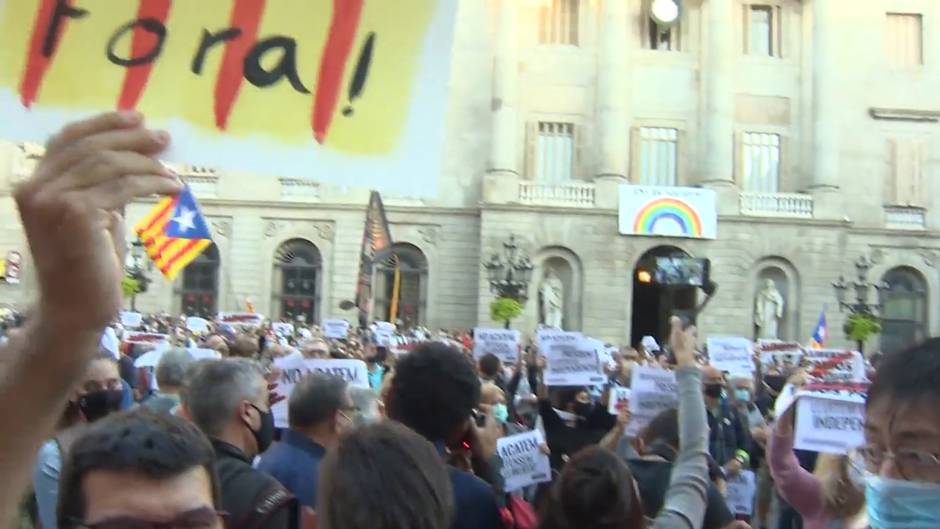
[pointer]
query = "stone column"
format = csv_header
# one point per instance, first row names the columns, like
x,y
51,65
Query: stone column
x,y
825,180
504,157
501,182
718,113
613,81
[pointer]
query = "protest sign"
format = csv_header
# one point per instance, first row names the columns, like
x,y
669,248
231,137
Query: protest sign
x,y
197,324
244,319
574,364
834,365
151,338
201,353
524,464
353,94
740,491
282,328
131,320
619,398
336,329
653,391
385,326
779,355
384,337
544,338
731,354
294,367
504,343
829,422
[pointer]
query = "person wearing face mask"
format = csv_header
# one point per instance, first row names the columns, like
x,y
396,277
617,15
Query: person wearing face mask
x,y
98,394
228,400
901,453
319,411
728,441
830,497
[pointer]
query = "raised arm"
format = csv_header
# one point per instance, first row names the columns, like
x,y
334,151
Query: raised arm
x,y
71,210
799,487
686,498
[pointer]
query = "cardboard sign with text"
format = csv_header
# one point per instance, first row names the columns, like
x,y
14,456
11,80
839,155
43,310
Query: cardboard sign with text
x,y
244,319
731,354
524,464
835,365
545,338
197,324
740,492
830,418
653,391
150,338
349,92
779,355
573,364
336,329
504,343
294,367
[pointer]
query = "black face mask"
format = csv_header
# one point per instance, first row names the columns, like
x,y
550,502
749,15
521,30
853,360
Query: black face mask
x,y
713,390
265,434
582,409
97,404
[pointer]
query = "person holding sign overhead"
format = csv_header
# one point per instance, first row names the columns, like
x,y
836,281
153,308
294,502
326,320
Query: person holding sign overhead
x,y
597,472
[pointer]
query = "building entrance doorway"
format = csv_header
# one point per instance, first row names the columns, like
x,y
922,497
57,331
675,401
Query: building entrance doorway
x,y
653,304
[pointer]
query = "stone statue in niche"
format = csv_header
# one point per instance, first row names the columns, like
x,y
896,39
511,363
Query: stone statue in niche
x,y
552,300
768,311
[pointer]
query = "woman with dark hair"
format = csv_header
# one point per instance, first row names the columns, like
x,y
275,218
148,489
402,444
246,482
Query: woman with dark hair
x,y
384,476
596,489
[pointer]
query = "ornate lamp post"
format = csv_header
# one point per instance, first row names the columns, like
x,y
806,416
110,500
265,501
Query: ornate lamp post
x,y
135,269
509,274
859,307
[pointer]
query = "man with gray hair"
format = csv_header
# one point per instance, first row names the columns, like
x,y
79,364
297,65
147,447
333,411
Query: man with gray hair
x,y
171,372
320,409
228,401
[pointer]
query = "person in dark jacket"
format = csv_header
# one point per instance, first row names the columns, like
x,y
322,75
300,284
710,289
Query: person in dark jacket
x,y
228,400
434,392
728,441
319,411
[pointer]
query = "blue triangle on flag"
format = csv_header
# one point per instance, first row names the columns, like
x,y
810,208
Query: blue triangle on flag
x,y
187,221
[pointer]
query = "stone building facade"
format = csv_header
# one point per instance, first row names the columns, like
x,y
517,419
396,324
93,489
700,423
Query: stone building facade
x,y
814,121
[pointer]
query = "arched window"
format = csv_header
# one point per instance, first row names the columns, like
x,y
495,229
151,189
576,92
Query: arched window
x,y
653,303
903,309
401,286
296,289
199,295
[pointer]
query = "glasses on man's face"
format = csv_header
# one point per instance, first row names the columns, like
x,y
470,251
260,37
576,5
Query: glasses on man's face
x,y
915,465
197,519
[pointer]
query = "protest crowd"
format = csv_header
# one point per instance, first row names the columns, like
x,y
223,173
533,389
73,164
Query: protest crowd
x,y
121,420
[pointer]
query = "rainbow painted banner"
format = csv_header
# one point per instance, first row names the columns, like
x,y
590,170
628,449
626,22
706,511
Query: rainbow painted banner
x,y
345,91
654,211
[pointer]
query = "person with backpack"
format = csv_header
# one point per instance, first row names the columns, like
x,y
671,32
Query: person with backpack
x,y
228,400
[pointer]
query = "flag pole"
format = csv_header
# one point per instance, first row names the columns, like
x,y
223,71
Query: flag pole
x,y
396,291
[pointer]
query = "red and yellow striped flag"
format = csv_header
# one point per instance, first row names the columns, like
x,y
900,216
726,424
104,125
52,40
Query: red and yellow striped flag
x,y
174,233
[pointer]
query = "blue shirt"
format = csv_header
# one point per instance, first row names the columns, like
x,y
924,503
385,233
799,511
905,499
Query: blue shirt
x,y
474,500
295,462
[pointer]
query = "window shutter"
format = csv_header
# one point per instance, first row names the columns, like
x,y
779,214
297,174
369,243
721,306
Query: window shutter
x,y
531,143
681,141
784,174
738,152
578,163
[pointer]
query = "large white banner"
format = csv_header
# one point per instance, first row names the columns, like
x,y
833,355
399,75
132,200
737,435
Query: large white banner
x,y
668,211
295,367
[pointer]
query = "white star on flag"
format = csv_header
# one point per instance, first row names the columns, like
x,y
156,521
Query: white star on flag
x,y
185,220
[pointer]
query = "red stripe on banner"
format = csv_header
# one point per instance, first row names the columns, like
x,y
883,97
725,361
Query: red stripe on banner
x,y
183,251
136,77
159,252
346,15
829,365
158,216
246,16
37,63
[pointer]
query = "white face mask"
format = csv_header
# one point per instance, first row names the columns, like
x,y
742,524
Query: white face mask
x,y
900,504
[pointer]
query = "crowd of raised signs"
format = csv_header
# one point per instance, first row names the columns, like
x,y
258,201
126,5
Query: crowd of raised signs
x,y
536,403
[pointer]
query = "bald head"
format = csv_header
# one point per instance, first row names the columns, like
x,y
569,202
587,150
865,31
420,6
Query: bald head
x,y
712,375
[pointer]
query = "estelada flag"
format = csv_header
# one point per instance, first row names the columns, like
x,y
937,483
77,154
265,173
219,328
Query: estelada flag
x,y
174,232
376,242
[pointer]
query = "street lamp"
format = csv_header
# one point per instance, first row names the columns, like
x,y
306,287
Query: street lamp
x,y
509,274
862,289
135,269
